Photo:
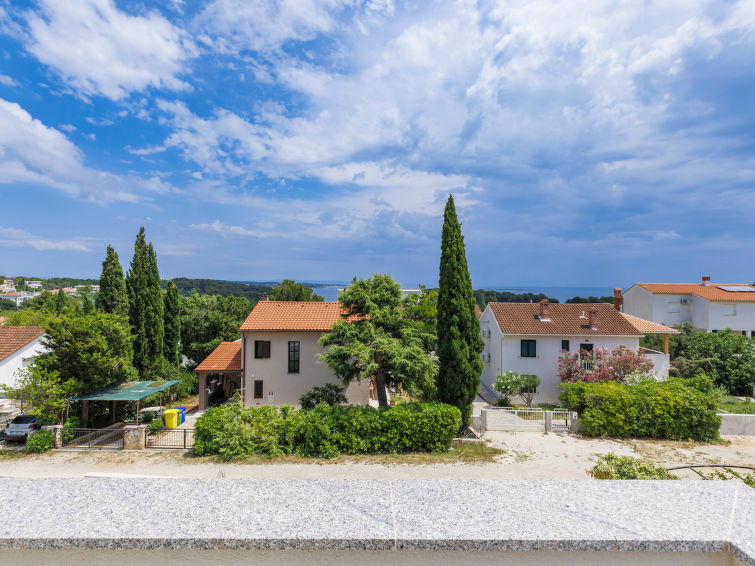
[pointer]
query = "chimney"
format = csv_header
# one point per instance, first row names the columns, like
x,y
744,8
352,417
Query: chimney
x,y
264,298
545,310
617,298
706,280
593,319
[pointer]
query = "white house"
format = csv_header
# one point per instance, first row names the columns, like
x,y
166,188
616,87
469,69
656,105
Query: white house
x,y
18,298
33,284
709,307
19,345
8,286
529,338
276,362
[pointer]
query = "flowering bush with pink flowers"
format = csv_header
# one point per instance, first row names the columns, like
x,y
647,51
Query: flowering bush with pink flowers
x,y
602,365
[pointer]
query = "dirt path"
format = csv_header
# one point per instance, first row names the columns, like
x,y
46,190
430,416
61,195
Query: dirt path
x,y
527,455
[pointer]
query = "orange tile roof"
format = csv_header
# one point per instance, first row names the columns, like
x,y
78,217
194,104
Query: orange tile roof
x,y
292,316
226,357
711,292
648,326
13,338
522,318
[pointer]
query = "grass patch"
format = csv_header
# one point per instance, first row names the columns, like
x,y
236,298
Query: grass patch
x,y
460,453
733,405
12,454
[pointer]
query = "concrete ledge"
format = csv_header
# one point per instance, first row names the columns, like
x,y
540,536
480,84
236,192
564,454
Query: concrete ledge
x,y
378,515
737,424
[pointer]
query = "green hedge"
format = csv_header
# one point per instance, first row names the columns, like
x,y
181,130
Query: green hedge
x,y
676,409
231,431
40,441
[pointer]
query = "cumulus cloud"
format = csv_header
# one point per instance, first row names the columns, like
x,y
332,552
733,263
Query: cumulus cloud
x,y
101,50
17,238
36,154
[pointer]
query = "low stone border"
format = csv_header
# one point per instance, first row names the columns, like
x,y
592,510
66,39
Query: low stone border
x,y
146,513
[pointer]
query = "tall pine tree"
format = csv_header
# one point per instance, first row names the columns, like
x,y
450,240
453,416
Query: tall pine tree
x,y
459,340
172,324
112,297
60,302
145,306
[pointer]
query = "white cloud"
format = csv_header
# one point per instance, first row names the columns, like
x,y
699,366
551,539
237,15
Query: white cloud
x,y
36,154
8,81
17,238
100,50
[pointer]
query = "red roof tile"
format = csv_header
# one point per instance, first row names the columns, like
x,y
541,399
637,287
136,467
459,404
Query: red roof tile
x,y
565,319
13,338
648,326
295,316
711,292
226,357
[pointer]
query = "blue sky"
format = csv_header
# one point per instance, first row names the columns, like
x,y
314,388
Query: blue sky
x,y
586,142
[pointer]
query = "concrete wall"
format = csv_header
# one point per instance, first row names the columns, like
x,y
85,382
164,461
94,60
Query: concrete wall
x,y
737,424
18,360
661,364
638,302
282,387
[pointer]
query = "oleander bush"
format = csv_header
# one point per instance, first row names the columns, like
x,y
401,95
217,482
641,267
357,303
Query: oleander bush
x,y
677,409
40,441
613,467
231,431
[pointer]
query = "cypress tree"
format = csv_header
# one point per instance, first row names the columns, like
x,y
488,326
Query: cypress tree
x,y
112,297
459,341
145,306
172,324
60,301
87,306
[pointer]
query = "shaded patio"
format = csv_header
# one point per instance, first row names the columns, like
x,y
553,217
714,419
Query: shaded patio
x,y
224,361
129,391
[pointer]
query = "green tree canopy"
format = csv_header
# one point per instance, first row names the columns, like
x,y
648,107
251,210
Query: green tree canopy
x,y
172,311
678,343
289,290
112,297
376,341
145,306
208,320
459,340
727,357
60,302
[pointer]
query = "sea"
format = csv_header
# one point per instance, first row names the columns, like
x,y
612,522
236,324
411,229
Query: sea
x,y
330,292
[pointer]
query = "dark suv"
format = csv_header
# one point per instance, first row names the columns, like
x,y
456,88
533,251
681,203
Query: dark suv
x,y
21,427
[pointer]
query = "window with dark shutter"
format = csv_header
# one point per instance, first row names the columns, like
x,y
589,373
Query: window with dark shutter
x,y
262,349
529,349
258,389
564,345
293,357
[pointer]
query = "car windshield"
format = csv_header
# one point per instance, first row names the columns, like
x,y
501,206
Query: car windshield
x,y
24,419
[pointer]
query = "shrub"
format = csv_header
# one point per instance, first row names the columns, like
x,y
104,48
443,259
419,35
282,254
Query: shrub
x,y
602,365
67,431
40,441
727,357
513,383
326,431
613,467
675,409
328,394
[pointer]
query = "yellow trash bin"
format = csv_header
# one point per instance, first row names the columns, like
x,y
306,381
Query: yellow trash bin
x,y
172,418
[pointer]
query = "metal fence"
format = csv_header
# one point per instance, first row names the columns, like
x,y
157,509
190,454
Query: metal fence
x,y
512,419
94,438
178,438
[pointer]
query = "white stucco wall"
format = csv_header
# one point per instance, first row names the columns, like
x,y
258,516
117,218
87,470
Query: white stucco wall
x,y
285,387
638,302
744,319
18,360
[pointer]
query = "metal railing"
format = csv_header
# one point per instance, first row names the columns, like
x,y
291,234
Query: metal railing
x,y
510,418
93,438
169,438
561,420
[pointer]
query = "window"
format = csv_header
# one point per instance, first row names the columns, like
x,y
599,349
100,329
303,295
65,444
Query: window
x,y
293,357
587,362
529,349
564,345
730,310
258,388
672,306
262,348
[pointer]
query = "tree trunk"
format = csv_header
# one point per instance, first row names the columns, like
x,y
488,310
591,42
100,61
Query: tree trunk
x,y
380,386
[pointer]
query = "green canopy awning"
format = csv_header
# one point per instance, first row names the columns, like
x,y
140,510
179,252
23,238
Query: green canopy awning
x,y
129,391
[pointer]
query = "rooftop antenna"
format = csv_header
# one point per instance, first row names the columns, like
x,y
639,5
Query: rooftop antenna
x,y
582,316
